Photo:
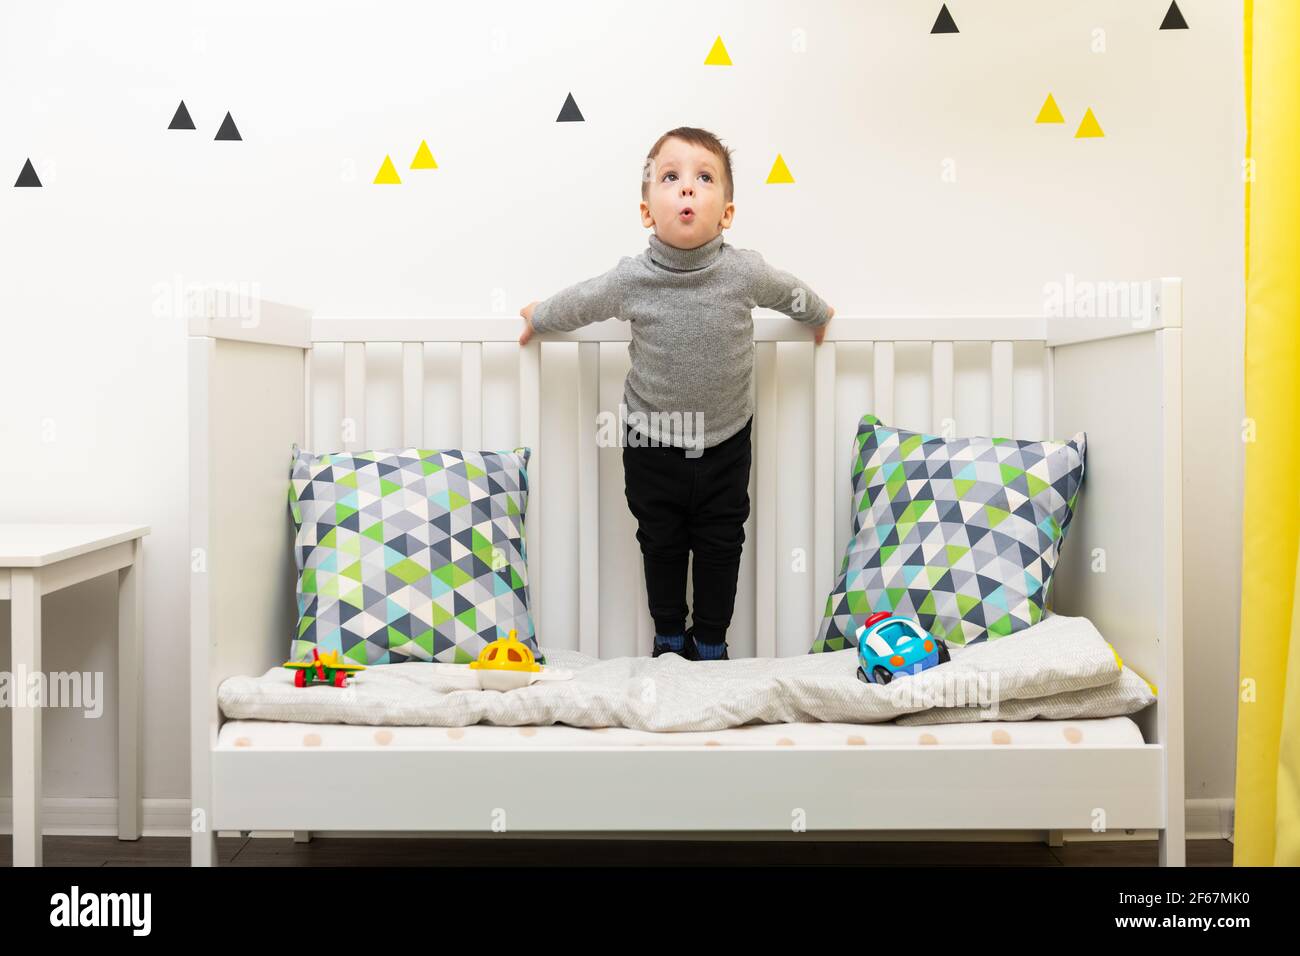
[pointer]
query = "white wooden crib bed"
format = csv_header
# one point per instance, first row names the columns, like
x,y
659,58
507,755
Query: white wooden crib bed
x,y
252,396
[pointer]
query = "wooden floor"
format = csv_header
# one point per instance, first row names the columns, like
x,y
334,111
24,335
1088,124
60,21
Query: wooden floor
x,y
344,851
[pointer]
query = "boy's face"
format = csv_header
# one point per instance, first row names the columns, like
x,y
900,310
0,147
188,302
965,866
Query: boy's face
x,y
687,206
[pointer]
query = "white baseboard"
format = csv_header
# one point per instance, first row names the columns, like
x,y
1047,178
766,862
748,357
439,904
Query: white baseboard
x,y
1207,819
1211,819
97,816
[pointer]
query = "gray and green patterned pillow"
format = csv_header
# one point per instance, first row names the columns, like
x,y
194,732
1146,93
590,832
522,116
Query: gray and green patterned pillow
x,y
961,534
410,555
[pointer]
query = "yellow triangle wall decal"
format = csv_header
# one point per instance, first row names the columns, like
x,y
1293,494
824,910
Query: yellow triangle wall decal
x,y
387,175
1089,128
780,172
1050,113
423,158
718,55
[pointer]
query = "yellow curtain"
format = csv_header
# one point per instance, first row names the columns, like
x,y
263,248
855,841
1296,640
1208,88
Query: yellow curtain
x,y
1268,709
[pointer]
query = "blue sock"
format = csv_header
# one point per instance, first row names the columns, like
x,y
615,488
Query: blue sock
x,y
710,650
673,642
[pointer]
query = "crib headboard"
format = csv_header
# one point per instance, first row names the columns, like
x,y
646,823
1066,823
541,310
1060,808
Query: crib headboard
x,y
265,375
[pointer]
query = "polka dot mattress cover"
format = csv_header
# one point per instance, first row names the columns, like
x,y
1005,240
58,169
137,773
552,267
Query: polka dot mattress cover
x,y
1058,669
1099,732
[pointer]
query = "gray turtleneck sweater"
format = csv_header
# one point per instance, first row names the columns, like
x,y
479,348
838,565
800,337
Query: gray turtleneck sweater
x,y
692,346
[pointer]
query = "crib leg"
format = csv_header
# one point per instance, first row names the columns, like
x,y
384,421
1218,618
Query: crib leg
x,y
203,849
1056,838
1172,843
301,836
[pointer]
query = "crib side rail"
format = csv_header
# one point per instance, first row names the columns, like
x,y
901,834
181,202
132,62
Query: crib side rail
x,y
829,499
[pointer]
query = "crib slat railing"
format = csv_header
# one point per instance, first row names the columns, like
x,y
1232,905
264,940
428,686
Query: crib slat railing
x,y
354,397
831,497
824,470
308,400
644,625
588,499
1001,362
413,394
882,357
530,433
765,485
941,386
471,396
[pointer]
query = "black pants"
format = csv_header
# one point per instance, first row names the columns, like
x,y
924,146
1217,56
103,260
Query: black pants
x,y
682,505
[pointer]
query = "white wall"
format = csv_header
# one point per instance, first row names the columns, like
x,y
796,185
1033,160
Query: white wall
x,y
92,361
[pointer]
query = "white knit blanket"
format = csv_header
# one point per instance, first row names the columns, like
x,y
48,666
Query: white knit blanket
x,y
1061,668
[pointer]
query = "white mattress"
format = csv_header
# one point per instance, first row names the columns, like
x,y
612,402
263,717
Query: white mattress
x,y
1098,732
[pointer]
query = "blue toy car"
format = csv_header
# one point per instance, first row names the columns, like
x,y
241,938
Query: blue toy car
x,y
889,644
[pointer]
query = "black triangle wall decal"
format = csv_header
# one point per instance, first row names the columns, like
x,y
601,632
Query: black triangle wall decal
x,y
1174,18
944,23
228,130
28,176
570,113
182,118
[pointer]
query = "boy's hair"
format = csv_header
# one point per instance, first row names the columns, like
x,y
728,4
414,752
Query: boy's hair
x,y
700,137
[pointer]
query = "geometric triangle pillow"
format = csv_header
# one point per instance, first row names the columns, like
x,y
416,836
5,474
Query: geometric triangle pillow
x,y
962,535
410,555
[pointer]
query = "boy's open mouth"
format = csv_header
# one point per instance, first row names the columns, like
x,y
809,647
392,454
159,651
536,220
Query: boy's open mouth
x,y
687,214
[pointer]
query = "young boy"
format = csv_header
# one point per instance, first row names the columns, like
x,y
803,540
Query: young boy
x,y
686,453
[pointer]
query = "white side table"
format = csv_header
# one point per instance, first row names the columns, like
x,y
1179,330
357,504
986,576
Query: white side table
x,y
36,559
